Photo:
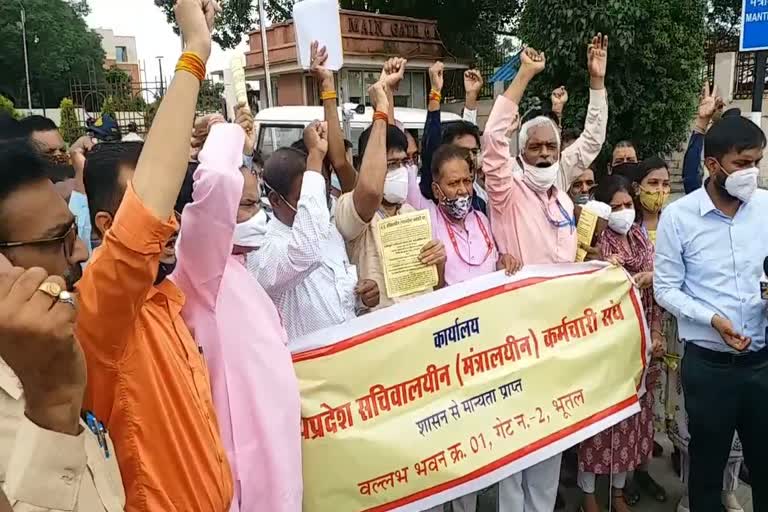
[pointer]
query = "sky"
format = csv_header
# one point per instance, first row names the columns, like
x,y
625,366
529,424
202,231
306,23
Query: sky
x,y
154,36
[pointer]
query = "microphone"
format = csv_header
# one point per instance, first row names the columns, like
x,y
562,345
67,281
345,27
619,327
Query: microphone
x,y
764,281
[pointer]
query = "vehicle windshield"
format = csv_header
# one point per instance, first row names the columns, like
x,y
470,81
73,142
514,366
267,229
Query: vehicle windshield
x,y
273,137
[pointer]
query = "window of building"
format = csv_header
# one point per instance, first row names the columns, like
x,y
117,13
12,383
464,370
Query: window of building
x,y
121,54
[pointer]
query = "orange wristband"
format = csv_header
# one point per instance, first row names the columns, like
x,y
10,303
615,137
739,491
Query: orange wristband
x,y
435,95
192,63
328,95
381,116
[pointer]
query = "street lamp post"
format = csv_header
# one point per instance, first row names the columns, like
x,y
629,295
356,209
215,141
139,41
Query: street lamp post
x,y
162,82
265,51
26,57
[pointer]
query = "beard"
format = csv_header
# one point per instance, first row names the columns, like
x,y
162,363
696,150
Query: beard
x,y
163,271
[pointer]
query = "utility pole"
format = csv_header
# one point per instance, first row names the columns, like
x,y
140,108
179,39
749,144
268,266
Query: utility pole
x,y
26,57
758,87
265,51
162,83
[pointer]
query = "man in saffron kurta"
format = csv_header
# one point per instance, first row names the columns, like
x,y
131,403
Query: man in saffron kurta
x,y
255,391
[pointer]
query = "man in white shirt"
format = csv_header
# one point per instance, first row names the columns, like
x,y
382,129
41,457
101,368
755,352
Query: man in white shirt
x,y
303,263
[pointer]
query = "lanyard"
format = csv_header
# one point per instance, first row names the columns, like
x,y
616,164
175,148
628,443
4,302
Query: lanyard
x,y
569,221
452,236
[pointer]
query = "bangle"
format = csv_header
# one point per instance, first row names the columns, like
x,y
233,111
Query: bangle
x,y
192,63
381,116
328,95
435,95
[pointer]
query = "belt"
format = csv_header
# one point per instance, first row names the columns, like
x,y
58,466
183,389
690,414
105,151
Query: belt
x,y
745,359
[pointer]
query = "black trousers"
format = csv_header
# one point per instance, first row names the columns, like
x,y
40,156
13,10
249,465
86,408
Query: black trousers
x,y
725,393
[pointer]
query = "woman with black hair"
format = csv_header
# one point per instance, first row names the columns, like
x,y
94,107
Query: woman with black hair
x,y
627,446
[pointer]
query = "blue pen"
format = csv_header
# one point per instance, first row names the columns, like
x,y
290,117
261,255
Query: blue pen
x,y
90,419
104,437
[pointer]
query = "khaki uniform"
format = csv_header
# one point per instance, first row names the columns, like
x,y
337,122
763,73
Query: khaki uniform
x,y
44,471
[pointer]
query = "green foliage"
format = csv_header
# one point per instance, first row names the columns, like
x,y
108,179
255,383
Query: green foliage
x,y
468,27
724,18
655,63
124,96
211,94
109,107
60,47
6,106
69,127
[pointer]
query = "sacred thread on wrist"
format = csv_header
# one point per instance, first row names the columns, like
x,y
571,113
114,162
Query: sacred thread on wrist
x,y
383,116
328,95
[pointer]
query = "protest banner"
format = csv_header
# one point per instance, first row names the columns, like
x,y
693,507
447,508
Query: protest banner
x,y
448,393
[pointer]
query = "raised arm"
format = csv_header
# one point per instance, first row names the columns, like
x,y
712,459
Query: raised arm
x,y
369,190
280,264
709,102
432,137
497,162
122,272
163,162
473,83
337,153
559,98
209,220
581,154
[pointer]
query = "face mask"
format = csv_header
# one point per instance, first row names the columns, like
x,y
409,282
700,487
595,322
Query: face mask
x,y
540,179
621,221
163,271
396,186
251,232
458,207
581,199
742,184
653,201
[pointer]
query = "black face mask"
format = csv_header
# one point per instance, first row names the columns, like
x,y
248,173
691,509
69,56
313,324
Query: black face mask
x,y
163,271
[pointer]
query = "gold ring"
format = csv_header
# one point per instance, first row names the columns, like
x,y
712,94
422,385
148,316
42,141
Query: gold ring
x,y
67,298
51,289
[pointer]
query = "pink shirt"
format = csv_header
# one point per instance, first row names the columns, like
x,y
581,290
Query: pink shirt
x,y
255,391
469,257
521,217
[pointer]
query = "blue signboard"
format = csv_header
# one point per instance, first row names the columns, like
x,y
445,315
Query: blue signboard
x,y
754,25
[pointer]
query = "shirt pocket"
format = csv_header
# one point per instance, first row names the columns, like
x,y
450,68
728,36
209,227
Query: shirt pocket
x,y
105,474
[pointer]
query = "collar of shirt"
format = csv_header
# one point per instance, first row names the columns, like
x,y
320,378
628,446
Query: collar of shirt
x,y
167,289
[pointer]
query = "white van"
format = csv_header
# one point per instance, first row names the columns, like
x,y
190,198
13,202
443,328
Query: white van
x,y
282,126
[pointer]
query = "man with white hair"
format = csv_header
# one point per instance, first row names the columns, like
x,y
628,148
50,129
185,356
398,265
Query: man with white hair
x,y
532,220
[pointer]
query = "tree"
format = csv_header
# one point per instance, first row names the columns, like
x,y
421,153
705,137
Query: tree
x,y
69,127
60,47
724,19
210,97
6,106
655,63
109,107
468,27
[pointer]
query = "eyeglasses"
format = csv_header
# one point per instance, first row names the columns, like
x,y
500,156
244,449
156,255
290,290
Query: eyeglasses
x,y
396,164
414,161
68,240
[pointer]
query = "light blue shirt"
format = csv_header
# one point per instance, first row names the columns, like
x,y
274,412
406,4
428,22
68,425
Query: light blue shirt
x,y
707,264
78,205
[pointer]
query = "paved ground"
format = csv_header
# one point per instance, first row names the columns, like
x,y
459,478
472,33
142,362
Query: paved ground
x,y
661,469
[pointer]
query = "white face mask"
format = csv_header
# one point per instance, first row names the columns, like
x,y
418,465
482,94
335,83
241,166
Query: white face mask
x,y
742,184
540,179
621,221
251,232
396,186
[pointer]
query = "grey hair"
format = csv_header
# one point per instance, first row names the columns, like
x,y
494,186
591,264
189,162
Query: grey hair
x,y
534,123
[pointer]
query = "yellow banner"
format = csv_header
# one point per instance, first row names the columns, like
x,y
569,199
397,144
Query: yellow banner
x,y
446,394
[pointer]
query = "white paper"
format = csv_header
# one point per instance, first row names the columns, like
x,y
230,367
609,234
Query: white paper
x,y
318,20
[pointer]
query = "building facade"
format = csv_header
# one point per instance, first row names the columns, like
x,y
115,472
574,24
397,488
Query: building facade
x,y
368,40
120,52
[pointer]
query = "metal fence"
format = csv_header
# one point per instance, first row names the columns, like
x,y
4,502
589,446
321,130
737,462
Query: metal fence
x,y
130,102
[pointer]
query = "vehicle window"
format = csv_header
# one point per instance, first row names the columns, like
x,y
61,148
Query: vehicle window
x,y
273,137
